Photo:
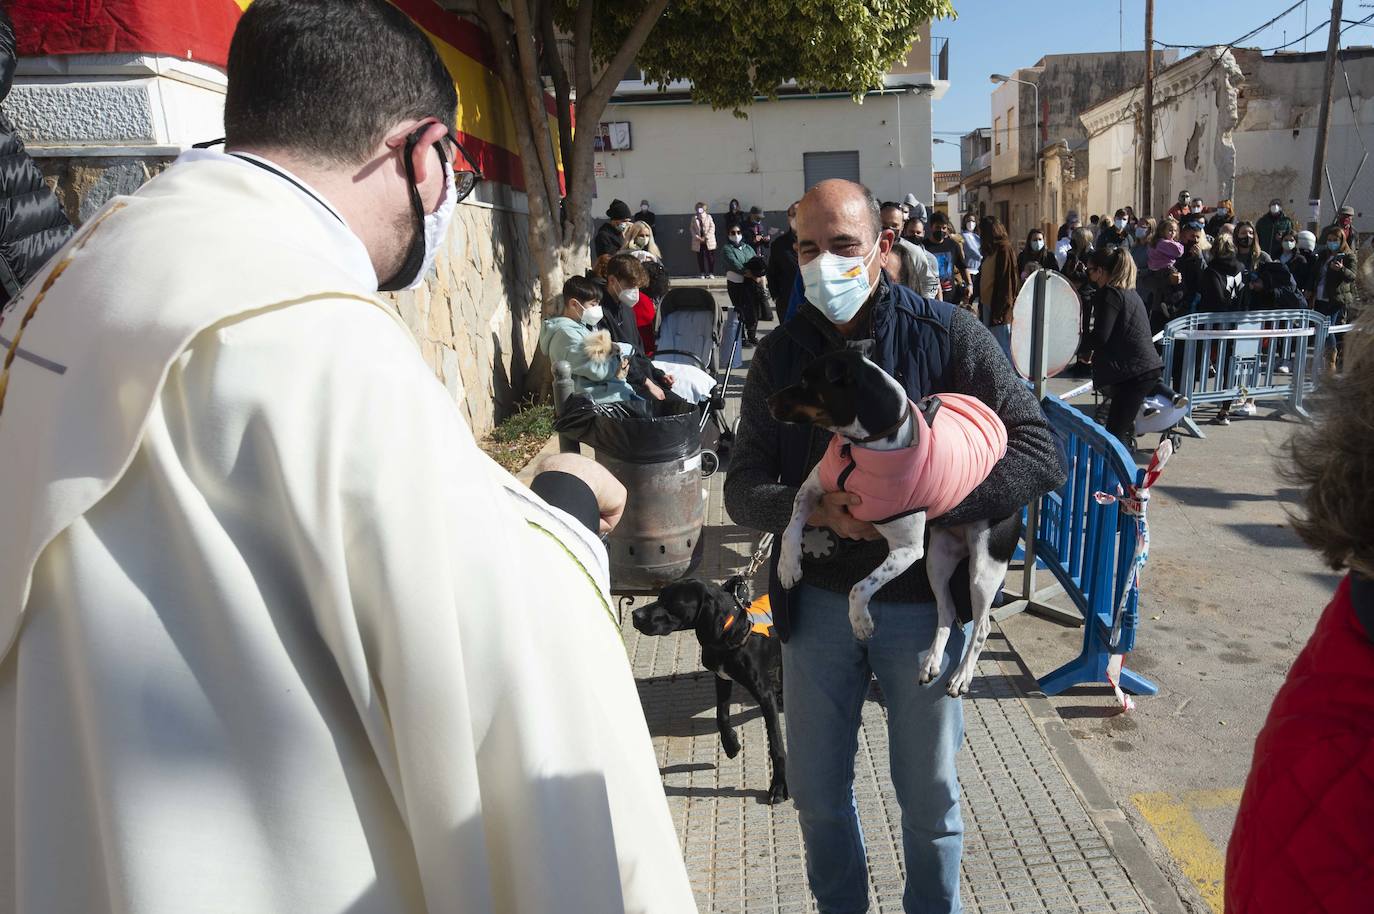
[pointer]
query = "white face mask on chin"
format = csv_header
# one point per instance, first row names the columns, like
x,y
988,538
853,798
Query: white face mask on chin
x,y
436,226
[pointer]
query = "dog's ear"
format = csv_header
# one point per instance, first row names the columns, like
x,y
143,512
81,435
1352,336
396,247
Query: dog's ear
x,y
836,372
862,347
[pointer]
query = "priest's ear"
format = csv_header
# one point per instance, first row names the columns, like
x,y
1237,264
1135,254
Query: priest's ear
x,y
418,142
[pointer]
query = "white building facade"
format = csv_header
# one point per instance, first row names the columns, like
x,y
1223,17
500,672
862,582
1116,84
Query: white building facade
x,y
683,153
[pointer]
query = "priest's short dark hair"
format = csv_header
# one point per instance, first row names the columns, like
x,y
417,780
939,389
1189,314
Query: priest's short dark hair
x,y
328,79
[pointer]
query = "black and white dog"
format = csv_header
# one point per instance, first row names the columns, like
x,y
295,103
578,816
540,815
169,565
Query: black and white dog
x,y
852,397
732,650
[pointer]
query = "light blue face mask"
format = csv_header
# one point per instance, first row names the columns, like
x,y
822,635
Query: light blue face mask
x,y
838,286
1333,245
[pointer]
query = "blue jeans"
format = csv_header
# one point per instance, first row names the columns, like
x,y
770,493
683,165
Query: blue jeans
x,y
1002,334
826,675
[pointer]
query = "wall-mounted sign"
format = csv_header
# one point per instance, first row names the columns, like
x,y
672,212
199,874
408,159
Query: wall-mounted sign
x,y
612,137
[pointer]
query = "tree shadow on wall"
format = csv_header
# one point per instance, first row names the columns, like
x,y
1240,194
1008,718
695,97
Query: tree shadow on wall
x,y
511,261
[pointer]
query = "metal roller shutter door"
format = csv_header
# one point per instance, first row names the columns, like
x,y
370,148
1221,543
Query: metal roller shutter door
x,y
821,166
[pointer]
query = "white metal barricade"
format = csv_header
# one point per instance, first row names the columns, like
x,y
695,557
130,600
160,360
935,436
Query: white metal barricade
x,y
1265,355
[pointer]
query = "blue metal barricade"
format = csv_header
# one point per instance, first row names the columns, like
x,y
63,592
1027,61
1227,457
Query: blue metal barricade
x,y
1090,546
1215,357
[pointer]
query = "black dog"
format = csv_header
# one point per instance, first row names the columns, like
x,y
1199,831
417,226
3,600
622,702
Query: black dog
x,y
732,650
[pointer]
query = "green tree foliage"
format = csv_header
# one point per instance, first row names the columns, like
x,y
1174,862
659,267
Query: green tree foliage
x,y
734,52
731,52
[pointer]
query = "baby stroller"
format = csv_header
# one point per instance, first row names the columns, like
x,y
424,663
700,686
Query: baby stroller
x,y
1160,413
693,332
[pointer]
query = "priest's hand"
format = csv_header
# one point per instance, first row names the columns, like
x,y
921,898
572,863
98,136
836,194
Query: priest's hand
x,y
609,491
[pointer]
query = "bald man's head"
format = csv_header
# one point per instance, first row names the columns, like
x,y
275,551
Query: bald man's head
x,y
852,202
842,218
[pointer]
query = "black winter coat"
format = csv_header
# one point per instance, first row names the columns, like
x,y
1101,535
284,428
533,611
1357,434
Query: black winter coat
x,y
1222,286
619,321
782,267
1120,338
608,240
32,224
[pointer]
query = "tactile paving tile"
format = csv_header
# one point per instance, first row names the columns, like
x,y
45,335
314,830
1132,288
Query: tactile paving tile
x,y
1029,845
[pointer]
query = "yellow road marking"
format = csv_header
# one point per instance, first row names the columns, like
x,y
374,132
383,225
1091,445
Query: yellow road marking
x,y
1185,840
1212,799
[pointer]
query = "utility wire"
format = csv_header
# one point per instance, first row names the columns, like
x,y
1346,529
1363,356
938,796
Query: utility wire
x,y
1244,37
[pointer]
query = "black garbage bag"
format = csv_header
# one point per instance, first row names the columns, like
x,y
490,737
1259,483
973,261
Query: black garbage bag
x,y
636,431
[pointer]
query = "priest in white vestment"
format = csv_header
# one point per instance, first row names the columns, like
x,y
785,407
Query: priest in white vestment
x,y
277,636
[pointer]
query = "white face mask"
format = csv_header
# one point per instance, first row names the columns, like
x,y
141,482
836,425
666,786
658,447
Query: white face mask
x,y
1037,245
1197,207
1289,245
629,296
838,286
1119,223
700,210
641,242
1275,208
436,230
735,239
968,226
591,315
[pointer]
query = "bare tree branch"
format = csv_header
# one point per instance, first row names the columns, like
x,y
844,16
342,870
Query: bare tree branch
x,y
594,102
582,48
533,94
543,207
561,88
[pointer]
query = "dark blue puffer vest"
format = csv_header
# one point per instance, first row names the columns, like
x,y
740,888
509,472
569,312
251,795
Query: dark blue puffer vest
x,y
910,342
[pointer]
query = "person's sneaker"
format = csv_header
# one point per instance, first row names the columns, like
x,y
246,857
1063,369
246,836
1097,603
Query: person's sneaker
x,y
1211,371
1221,419
1285,367
1180,401
1149,411
1248,408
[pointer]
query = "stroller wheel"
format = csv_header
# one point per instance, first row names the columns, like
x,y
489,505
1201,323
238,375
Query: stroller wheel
x,y
710,462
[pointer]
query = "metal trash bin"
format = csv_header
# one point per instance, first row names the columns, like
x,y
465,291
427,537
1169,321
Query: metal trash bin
x,y
654,449
658,540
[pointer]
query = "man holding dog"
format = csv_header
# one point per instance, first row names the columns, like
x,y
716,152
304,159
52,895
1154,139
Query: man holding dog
x,y
277,635
929,347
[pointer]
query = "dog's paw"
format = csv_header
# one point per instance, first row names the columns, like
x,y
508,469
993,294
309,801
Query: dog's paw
x,y
930,666
860,620
789,567
777,791
959,683
730,743
862,623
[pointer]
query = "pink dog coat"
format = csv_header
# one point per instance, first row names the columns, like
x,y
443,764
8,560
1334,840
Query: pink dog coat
x,y
958,444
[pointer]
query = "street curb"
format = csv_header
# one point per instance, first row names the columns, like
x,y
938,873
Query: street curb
x,y
1158,892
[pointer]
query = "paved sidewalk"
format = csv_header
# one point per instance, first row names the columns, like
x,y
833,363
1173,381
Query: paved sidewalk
x,y
1030,844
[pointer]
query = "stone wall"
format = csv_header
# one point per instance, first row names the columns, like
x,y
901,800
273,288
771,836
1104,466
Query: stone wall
x,y
476,318
85,183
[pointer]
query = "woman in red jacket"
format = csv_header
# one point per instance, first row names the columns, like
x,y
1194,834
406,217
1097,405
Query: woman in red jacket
x,y
1304,835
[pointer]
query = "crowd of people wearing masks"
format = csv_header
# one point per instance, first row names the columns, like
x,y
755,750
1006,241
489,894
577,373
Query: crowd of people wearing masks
x,y
1195,258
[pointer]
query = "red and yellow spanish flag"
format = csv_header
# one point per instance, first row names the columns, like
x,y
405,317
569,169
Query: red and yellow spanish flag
x,y
201,30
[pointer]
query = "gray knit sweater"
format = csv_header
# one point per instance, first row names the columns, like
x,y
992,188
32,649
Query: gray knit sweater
x,y
1033,464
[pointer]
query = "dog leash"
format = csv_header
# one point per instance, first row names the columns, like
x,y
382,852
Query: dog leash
x,y
738,586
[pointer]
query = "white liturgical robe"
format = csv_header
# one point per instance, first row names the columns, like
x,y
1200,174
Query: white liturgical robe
x,y
278,637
